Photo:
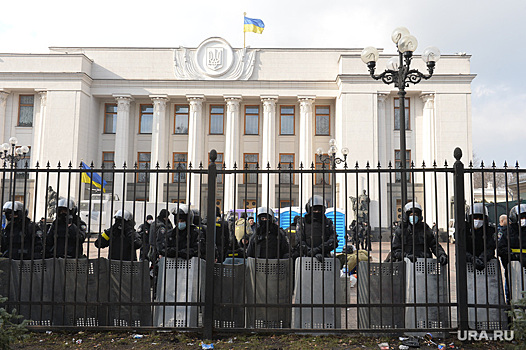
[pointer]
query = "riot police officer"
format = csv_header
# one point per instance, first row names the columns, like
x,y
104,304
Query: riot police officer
x,y
480,236
316,231
64,239
512,243
21,237
416,240
269,241
181,241
121,237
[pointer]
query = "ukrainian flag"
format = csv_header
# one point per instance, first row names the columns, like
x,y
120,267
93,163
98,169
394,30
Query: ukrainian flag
x,y
92,178
253,25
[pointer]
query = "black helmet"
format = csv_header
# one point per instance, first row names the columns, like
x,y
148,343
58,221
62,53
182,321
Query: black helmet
x,y
477,208
516,212
196,217
412,207
265,211
123,214
314,201
182,211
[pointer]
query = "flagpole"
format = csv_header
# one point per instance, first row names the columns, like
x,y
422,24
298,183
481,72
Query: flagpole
x,y
244,33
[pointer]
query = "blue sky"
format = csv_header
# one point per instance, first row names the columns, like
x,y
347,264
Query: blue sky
x,y
492,32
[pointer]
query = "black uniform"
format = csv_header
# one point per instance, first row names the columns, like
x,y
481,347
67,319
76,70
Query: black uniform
x,y
144,232
21,240
317,236
514,248
269,242
64,240
478,249
158,232
181,243
425,243
122,239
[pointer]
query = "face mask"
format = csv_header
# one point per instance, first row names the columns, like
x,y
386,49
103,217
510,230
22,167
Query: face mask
x,y
478,223
181,225
149,221
8,215
413,220
523,222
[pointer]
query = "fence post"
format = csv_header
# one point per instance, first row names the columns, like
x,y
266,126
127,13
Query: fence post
x,y
208,317
460,241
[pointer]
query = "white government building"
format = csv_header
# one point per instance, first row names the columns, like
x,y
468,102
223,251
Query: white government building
x,y
276,105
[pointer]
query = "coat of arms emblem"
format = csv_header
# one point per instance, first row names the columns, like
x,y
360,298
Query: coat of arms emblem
x,y
214,58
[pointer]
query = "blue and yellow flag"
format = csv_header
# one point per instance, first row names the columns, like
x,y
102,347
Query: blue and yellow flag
x,y
253,25
92,178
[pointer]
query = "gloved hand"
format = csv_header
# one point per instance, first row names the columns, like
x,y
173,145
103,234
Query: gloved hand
x,y
411,257
319,257
171,252
442,259
183,254
151,254
479,264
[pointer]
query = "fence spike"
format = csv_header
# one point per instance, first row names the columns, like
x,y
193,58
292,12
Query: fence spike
x,y
70,165
505,165
157,165
423,164
390,165
517,164
434,164
470,164
268,165
168,165
189,165
135,166
367,165
48,165
445,163
482,164
379,166
493,165
58,166
356,165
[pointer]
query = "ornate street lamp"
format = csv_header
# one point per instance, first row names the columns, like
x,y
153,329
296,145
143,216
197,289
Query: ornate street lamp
x,y
10,153
331,160
398,72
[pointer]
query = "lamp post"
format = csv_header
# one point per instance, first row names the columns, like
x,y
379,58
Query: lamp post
x,y
398,72
9,152
331,159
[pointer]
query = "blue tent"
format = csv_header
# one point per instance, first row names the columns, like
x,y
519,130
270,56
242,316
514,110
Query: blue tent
x,y
286,216
338,218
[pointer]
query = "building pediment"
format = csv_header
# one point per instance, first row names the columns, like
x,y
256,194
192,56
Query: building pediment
x,y
214,59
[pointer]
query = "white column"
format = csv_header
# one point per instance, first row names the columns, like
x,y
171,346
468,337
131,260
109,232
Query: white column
x,y
383,147
37,154
268,151
122,143
231,155
3,103
306,152
428,153
159,148
195,147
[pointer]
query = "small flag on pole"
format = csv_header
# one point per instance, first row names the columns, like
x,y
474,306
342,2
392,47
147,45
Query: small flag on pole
x,y
92,178
253,25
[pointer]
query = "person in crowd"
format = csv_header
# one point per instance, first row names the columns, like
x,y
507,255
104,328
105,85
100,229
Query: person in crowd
x,y
269,241
64,239
242,227
43,225
317,237
366,236
144,232
121,238
225,241
512,243
157,234
480,237
252,225
292,237
182,240
417,239
21,238
503,226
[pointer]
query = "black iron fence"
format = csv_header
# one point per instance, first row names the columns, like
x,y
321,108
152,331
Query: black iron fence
x,y
368,270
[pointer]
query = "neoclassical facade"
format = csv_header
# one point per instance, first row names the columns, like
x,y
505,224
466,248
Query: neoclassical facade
x,y
254,106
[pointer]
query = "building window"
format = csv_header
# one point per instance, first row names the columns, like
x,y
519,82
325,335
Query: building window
x,y
219,166
179,165
25,110
322,178
143,162
181,119
108,160
251,120
397,114
146,119
249,203
286,162
23,163
251,163
286,203
398,176
323,119
110,118
286,120
217,118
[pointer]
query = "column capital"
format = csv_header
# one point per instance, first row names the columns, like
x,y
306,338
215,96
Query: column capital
x,y
382,96
306,98
3,96
237,98
122,97
196,98
159,98
427,97
43,96
270,98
